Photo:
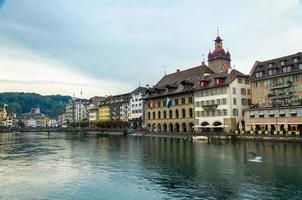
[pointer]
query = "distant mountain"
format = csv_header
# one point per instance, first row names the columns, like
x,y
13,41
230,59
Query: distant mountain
x,y
20,102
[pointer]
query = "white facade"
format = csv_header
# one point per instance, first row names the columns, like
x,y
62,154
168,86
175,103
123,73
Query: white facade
x,y
32,123
76,111
136,105
214,105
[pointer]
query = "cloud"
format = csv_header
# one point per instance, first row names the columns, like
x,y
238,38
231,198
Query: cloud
x,y
113,40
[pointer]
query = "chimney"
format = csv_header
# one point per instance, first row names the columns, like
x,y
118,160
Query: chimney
x,y
178,70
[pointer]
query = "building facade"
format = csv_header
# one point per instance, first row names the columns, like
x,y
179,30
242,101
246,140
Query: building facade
x,y
276,87
221,100
136,107
169,105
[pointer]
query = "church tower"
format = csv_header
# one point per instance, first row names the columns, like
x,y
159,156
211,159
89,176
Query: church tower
x,y
219,60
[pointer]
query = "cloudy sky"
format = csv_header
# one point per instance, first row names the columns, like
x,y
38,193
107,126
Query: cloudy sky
x,y
107,47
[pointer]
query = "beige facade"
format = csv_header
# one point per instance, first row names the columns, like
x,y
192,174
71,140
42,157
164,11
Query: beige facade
x,y
276,88
179,118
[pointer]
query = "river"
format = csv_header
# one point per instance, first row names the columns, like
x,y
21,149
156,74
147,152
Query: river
x,y
69,166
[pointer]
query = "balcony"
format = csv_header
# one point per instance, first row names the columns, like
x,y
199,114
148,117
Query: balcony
x,y
210,107
282,85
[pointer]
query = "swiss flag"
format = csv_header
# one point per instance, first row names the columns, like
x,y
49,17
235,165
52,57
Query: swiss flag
x,y
151,104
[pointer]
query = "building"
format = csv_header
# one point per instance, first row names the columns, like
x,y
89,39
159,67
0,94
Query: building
x,y
77,111
169,105
276,88
136,107
3,116
221,99
93,108
34,119
61,119
104,111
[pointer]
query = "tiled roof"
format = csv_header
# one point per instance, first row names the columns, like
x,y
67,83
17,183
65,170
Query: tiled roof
x,y
228,78
267,65
191,74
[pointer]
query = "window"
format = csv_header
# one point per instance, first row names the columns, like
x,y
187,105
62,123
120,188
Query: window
x,y
158,104
191,112
153,115
248,91
159,115
183,113
202,113
225,112
286,69
198,113
282,63
249,101
212,102
234,101
257,93
149,115
218,113
243,102
234,90
259,74
300,66
197,103
208,114
176,101
165,114
190,99
183,101
224,101
170,114
176,113
257,84
243,91
235,112
240,80
218,101
242,113
295,60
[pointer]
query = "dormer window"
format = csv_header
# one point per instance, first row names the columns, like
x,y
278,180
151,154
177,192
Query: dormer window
x,y
286,69
259,74
272,71
219,80
296,60
282,63
270,65
203,83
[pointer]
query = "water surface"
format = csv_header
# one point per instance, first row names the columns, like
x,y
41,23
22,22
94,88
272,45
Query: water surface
x,y
67,166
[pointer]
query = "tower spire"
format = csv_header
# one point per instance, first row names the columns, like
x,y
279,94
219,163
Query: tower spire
x,y
217,31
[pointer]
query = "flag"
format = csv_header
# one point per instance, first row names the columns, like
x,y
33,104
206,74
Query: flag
x,y
151,104
169,103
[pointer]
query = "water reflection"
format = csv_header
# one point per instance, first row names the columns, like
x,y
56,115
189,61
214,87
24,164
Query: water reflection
x,y
73,166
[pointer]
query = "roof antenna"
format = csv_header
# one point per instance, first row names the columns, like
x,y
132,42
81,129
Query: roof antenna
x,y
217,31
203,60
165,70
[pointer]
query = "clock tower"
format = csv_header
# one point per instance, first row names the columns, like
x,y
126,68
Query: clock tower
x,y
219,60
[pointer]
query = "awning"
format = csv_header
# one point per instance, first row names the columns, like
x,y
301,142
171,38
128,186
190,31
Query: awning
x,y
134,117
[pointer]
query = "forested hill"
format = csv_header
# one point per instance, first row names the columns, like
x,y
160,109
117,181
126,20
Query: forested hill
x,y
20,102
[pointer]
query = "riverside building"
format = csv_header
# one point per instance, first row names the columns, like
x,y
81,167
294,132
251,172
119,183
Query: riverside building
x,y
136,107
276,87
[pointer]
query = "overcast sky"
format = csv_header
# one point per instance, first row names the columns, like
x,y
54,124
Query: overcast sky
x,y
107,47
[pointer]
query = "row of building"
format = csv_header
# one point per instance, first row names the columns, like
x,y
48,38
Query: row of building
x,y
128,107
212,96
33,119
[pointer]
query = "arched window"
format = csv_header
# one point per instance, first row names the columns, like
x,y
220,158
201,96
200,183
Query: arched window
x,y
183,113
170,114
153,115
176,113
158,115
191,113
149,115
165,114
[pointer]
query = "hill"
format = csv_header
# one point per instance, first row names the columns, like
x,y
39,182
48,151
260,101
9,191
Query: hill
x,y
20,102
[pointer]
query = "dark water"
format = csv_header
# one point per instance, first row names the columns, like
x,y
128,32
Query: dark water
x,y
69,167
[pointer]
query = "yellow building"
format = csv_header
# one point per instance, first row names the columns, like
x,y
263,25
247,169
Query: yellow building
x,y
3,116
169,105
104,113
